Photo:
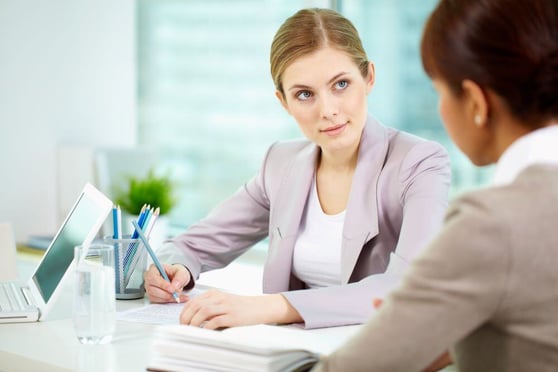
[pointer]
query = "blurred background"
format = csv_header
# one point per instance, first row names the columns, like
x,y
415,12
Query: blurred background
x,y
101,90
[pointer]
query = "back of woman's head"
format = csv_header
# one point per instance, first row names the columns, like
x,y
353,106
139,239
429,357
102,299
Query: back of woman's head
x,y
507,46
309,30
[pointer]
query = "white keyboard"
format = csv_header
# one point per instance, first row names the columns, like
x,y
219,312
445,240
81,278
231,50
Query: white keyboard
x,y
11,297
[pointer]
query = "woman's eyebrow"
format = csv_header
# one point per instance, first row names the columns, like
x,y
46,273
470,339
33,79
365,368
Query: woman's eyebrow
x,y
302,86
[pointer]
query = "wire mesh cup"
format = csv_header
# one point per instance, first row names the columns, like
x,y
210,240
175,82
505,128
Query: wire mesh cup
x,y
130,263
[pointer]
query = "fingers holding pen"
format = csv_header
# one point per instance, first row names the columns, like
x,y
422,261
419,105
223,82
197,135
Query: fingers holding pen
x,y
158,290
178,275
156,287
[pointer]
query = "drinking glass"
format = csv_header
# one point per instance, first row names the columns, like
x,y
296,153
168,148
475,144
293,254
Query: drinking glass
x,y
94,312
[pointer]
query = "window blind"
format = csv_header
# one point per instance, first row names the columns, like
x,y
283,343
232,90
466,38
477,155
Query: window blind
x,y
206,98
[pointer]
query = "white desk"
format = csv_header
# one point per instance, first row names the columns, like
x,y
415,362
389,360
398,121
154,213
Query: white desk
x,y
51,345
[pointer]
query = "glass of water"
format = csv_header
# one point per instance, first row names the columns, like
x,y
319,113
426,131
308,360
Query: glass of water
x,y
94,312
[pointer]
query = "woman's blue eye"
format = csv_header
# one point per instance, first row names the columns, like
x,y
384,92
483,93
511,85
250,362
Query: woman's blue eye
x,y
342,84
304,95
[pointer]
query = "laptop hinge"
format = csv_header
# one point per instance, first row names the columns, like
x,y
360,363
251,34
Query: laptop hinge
x,y
27,295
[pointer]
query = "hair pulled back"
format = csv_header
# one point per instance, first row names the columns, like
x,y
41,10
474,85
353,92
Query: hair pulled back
x,y
508,46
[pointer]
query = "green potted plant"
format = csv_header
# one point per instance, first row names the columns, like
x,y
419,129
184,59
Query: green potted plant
x,y
157,192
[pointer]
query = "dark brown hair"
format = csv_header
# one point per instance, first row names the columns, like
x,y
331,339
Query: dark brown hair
x,y
309,30
507,46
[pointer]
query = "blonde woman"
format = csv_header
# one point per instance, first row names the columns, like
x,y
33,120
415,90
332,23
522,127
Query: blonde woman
x,y
345,209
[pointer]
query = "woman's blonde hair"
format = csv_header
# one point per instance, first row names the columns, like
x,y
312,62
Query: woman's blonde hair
x,y
309,30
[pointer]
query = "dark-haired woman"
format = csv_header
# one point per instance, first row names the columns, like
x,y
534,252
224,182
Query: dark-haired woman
x,y
487,286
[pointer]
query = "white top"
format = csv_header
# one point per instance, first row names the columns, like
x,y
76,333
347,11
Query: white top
x,y
317,251
537,147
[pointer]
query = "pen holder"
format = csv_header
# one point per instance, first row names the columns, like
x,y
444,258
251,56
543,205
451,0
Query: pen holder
x,y
130,262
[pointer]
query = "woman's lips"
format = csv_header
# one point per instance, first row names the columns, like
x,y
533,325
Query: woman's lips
x,y
334,130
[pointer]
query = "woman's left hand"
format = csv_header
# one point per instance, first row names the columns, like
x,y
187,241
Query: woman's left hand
x,y
215,309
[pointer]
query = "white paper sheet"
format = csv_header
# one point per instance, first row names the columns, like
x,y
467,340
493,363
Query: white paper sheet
x,y
156,313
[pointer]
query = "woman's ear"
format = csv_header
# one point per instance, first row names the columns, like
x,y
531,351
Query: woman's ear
x,y
476,105
283,101
371,78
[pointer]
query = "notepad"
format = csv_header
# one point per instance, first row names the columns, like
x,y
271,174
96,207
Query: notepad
x,y
243,349
252,348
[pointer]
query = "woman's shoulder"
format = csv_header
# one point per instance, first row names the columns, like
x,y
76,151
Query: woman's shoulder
x,y
291,145
509,218
511,209
400,140
289,149
281,156
516,200
411,154
401,145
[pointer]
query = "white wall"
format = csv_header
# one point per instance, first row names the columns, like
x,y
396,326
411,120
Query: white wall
x,y
67,77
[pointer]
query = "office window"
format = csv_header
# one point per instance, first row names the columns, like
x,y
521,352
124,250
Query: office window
x,y
206,97
403,96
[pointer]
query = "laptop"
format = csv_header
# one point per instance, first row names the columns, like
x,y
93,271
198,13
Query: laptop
x,y
31,301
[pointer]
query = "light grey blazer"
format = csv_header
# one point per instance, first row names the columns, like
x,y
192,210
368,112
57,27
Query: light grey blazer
x,y
487,285
397,202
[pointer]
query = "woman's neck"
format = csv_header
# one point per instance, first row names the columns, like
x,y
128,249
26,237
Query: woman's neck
x,y
334,178
338,161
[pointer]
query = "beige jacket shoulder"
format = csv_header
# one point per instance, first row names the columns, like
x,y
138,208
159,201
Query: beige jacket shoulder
x,y
487,285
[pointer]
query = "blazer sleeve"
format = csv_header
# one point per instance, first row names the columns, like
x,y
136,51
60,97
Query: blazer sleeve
x,y
229,230
424,179
450,290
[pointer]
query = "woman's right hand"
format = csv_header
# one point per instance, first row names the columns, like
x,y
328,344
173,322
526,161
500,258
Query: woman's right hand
x,y
159,290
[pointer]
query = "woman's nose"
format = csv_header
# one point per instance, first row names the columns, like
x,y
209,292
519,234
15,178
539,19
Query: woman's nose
x,y
329,107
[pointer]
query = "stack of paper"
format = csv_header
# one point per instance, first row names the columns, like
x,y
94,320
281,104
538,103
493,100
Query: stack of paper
x,y
250,348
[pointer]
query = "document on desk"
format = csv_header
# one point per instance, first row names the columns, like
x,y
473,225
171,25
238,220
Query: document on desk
x,y
245,348
156,313
153,314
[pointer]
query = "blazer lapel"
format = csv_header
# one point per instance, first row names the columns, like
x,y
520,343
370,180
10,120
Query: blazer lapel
x,y
285,219
294,191
361,219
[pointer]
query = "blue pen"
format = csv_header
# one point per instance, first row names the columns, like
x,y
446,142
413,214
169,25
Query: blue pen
x,y
132,246
153,257
116,222
117,234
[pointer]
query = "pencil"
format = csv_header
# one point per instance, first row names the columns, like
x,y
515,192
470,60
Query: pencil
x,y
154,257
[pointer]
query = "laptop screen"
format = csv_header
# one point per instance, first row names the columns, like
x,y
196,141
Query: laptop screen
x,y
59,256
